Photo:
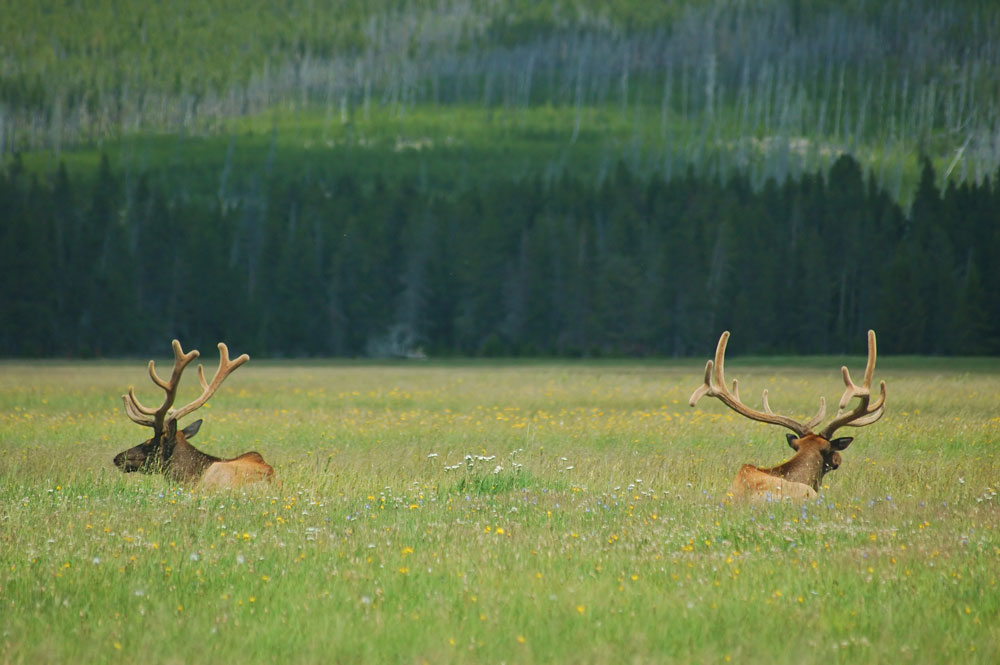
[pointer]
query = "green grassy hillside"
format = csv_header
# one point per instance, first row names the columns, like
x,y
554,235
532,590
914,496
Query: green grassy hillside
x,y
770,89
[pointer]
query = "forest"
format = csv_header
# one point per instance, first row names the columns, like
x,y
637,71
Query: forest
x,y
633,266
766,88
455,178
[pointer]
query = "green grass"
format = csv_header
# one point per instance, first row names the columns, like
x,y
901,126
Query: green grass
x,y
444,147
613,541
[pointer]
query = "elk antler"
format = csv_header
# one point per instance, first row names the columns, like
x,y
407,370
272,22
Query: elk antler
x,y
208,389
715,386
864,413
156,418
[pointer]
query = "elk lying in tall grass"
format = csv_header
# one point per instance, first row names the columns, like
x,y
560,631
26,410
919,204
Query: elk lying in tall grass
x,y
815,454
168,451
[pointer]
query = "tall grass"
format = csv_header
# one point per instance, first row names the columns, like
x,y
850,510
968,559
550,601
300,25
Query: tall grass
x,y
521,513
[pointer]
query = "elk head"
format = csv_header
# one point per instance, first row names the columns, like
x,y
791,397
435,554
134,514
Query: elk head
x,y
168,450
816,454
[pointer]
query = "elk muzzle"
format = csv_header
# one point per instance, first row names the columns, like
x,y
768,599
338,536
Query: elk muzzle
x,y
130,460
143,458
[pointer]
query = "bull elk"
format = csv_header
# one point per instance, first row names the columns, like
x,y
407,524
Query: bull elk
x,y
816,454
168,451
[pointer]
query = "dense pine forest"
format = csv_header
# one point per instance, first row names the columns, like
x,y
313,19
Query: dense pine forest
x,y
632,266
452,178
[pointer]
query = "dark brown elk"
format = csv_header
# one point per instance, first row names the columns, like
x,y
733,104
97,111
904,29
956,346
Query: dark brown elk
x,y
168,451
816,454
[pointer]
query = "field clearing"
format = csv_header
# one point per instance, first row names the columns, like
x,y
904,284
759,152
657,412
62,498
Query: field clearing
x,y
521,512
440,146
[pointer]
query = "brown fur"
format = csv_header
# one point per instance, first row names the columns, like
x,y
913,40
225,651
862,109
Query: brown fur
x,y
815,454
168,451
797,478
753,484
247,468
177,459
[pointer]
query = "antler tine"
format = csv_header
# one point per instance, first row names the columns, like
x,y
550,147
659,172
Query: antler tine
x,y
208,389
146,416
181,361
713,373
720,360
705,388
812,422
136,404
865,413
136,412
876,411
820,415
870,366
852,388
715,386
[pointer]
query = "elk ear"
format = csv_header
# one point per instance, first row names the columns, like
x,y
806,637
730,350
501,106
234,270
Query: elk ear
x,y
192,429
841,443
792,439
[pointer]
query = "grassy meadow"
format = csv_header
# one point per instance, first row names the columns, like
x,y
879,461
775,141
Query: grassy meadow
x,y
519,512
444,146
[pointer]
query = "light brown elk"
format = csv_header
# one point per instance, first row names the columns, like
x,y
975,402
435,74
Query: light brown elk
x,y
168,451
816,454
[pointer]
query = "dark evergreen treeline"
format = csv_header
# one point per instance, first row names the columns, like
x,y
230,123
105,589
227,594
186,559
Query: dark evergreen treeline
x,y
112,265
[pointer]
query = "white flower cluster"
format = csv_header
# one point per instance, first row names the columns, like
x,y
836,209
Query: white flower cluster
x,y
470,461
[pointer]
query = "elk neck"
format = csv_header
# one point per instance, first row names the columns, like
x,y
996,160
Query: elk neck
x,y
187,462
805,466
